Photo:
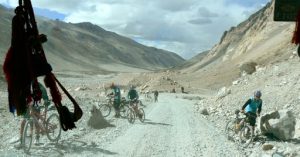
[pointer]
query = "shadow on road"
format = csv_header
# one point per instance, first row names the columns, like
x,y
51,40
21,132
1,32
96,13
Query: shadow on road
x,y
156,123
69,146
295,141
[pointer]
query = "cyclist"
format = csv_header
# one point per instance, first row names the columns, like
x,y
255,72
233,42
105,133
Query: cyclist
x,y
40,92
132,93
133,96
116,93
253,108
37,109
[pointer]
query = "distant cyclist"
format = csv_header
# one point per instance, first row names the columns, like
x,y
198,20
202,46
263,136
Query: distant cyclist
x,y
252,109
155,95
116,93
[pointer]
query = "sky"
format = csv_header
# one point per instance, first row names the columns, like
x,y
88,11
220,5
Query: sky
x,y
186,27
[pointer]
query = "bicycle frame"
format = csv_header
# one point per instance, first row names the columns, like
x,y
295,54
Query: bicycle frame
x,y
240,127
42,124
134,104
35,116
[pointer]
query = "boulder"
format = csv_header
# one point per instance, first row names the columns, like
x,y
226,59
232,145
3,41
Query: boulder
x,y
223,92
204,111
97,121
248,67
267,146
279,123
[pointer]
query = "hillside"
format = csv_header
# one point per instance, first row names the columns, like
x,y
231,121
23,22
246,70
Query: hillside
x,y
87,47
194,60
258,39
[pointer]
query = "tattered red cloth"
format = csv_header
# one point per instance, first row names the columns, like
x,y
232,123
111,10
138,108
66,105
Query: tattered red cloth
x,y
296,36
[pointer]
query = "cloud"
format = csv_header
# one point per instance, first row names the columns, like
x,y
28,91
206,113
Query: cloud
x,y
182,26
204,12
175,5
201,21
247,3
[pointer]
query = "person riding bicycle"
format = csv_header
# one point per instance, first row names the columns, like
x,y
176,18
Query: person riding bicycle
x,y
252,109
40,92
116,93
133,96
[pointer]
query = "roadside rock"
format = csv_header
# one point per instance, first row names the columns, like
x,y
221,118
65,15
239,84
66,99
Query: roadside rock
x,y
97,120
267,147
248,67
279,123
223,92
204,111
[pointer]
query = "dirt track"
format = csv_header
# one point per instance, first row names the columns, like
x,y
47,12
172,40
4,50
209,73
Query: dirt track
x,y
172,129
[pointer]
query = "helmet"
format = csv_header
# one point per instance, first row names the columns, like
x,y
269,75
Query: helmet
x,y
257,93
112,85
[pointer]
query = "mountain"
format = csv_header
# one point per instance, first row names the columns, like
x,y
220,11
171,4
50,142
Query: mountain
x,y
258,39
88,47
192,61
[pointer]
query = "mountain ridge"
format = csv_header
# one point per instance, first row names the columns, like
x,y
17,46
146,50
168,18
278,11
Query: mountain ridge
x,y
88,47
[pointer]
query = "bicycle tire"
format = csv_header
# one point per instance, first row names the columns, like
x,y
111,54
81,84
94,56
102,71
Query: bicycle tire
x,y
230,130
131,116
123,111
246,135
141,115
27,135
105,109
53,128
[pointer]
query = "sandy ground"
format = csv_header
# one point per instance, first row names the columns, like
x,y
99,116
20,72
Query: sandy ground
x,y
173,126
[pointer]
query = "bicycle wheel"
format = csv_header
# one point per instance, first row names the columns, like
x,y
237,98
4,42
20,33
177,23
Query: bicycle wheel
x,y
141,115
123,110
27,136
131,116
53,128
105,109
230,130
246,135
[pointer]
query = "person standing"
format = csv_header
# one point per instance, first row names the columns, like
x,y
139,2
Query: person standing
x,y
116,93
155,95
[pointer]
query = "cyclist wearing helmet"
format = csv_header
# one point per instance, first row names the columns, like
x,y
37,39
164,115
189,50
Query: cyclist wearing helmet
x,y
133,96
132,93
116,93
253,108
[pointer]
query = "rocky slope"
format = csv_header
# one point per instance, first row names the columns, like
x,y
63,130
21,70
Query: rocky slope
x,y
280,86
258,39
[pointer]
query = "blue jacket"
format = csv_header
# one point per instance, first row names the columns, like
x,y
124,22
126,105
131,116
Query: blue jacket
x,y
253,105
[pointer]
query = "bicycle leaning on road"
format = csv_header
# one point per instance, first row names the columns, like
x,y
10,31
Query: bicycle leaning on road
x,y
106,107
239,130
39,123
135,111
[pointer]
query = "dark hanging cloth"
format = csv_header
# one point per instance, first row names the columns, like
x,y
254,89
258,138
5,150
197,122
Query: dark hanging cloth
x,y
25,61
16,66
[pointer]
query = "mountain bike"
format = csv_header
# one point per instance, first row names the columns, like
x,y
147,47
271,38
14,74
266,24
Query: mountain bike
x,y
106,107
239,130
38,123
135,111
